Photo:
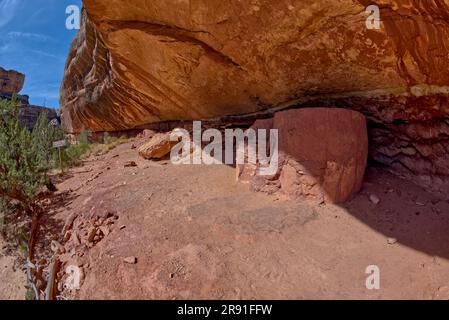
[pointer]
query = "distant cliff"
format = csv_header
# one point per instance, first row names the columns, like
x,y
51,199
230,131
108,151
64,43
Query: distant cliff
x,y
11,83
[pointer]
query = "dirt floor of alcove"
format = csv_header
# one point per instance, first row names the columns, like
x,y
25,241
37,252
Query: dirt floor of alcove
x,y
198,234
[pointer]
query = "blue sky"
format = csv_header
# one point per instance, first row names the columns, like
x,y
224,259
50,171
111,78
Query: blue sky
x,y
34,40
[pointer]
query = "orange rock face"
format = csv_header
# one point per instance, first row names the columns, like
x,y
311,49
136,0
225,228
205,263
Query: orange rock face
x,y
144,61
152,60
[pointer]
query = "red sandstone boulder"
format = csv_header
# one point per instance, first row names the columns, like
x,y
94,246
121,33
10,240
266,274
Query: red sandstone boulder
x,y
323,155
158,147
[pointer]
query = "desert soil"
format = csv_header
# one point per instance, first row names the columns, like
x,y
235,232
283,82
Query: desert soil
x,y
198,234
12,277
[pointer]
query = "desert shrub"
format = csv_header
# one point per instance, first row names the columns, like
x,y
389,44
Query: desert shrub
x,y
43,136
71,155
107,144
75,152
23,165
5,209
25,158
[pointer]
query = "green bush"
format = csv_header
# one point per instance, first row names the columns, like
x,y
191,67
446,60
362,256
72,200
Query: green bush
x,y
71,155
75,152
25,160
23,165
44,134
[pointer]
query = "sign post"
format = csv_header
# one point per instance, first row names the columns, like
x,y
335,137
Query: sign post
x,y
59,145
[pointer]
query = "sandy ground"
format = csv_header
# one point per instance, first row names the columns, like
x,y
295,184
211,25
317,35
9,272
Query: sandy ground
x,y
12,278
198,234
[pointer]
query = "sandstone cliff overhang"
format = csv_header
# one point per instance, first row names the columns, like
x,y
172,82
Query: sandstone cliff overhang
x,y
147,61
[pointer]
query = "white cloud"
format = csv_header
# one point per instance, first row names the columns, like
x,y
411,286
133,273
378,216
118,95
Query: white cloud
x,y
30,36
46,54
8,10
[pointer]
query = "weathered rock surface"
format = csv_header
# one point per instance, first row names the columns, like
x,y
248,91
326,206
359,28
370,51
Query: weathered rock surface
x,y
323,155
156,60
158,147
11,81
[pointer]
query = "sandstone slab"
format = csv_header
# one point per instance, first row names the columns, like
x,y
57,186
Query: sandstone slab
x,y
323,155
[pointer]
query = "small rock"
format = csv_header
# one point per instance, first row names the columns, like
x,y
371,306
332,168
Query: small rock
x,y
421,201
130,260
76,238
69,222
392,241
374,199
56,247
122,227
60,286
130,164
67,236
105,230
91,234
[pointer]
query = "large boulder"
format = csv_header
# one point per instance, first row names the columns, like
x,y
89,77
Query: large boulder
x,y
158,147
144,61
323,155
11,81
